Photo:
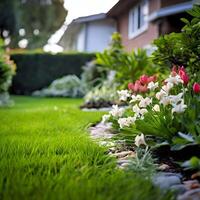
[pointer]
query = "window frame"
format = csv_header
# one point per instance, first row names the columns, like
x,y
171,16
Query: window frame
x,y
132,34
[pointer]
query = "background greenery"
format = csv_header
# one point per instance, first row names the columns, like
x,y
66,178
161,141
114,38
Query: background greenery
x,y
47,16
37,70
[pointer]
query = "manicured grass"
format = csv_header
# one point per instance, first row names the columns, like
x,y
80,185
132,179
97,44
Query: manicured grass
x,y
46,153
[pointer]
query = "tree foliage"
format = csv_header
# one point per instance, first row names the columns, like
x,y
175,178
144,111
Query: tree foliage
x,y
43,16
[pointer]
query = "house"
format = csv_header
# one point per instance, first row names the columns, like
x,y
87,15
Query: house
x,y
141,21
90,34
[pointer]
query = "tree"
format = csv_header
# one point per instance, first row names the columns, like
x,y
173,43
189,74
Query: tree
x,y
37,20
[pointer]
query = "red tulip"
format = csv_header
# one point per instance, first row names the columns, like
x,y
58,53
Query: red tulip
x,y
196,88
144,79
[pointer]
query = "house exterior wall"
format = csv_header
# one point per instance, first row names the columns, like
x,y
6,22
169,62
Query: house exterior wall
x,y
145,38
99,35
154,30
80,41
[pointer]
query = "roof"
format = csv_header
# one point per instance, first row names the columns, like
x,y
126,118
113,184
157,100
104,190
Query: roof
x,y
90,18
170,10
124,5
120,7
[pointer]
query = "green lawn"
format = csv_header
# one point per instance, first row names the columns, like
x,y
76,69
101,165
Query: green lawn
x,y
46,153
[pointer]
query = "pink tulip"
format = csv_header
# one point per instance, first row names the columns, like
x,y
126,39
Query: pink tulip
x,y
196,88
131,86
174,70
152,79
137,86
182,73
143,89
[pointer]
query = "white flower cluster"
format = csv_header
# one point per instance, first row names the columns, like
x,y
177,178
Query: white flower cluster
x,y
116,111
152,86
126,122
140,105
123,95
176,101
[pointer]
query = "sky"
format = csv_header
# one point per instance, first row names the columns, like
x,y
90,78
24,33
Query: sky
x,y
79,8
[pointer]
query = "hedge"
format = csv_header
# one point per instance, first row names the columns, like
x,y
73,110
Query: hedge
x,y
37,70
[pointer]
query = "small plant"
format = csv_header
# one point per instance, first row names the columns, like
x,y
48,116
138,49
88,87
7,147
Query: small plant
x,y
7,70
192,164
143,162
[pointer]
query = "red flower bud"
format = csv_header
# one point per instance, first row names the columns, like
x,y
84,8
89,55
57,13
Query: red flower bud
x,y
196,88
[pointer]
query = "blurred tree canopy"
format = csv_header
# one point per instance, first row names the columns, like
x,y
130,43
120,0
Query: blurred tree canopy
x,y
37,20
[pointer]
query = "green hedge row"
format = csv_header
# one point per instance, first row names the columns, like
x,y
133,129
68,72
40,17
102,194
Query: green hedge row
x,y
37,70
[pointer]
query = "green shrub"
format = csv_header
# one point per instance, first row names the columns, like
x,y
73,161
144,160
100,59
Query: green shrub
x,y
7,70
181,48
107,91
37,70
67,86
128,66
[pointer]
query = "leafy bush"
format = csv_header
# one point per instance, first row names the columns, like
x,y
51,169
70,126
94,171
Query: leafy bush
x,y
7,70
181,48
67,86
128,66
93,75
37,70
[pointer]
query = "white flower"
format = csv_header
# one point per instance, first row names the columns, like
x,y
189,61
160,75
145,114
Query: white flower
x,y
160,95
136,98
152,86
174,79
140,140
105,118
123,95
165,100
179,108
116,111
139,97
139,112
166,88
156,108
143,111
174,99
136,109
145,102
126,121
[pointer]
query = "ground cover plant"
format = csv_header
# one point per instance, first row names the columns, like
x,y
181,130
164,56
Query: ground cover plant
x,y
46,153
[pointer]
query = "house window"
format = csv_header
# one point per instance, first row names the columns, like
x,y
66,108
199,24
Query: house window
x,y
138,19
